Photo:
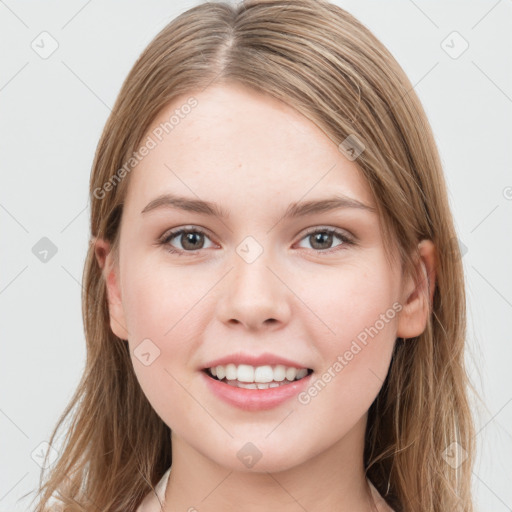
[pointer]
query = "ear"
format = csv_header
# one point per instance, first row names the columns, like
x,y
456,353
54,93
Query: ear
x,y
110,273
417,299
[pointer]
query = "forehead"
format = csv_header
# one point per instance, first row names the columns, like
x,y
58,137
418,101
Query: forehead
x,y
236,146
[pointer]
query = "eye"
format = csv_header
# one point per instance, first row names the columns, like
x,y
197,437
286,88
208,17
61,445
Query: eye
x,y
190,240
322,238
193,239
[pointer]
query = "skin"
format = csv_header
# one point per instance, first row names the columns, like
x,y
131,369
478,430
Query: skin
x,y
254,155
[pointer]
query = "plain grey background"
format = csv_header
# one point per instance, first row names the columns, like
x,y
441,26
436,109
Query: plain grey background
x,y
61,68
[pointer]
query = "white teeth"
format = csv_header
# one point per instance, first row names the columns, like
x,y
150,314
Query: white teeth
x,y
263,374
279,373
301,373
244,373
268,375
231,372
247,386
221,372
291,373
253,385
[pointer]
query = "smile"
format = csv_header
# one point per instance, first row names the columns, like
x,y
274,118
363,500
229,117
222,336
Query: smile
x,y
251,395
259,377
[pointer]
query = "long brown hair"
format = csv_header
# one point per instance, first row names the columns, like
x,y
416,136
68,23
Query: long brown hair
x,y
317,58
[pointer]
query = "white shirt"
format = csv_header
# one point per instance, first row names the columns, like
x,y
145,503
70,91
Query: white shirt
x,y
151,503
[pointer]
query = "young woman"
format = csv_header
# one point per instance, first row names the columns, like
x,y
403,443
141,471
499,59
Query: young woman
x,y
273,300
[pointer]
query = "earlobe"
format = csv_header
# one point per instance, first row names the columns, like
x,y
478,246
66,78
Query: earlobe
x,y
105,259
418,297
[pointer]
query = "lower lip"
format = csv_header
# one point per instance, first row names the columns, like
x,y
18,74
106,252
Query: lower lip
x,y
256,399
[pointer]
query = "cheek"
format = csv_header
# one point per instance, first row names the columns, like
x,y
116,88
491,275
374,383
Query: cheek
x,y
163,316
358,306
349,300
159,302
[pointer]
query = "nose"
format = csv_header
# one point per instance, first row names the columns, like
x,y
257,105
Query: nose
x,y
254,294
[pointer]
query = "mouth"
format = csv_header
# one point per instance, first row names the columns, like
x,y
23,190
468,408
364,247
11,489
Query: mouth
x,y
247,377
256,388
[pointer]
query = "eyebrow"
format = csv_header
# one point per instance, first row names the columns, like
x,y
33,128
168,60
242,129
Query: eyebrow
x,y
298,209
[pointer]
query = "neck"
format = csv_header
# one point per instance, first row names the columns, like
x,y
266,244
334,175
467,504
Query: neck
x,y
332,479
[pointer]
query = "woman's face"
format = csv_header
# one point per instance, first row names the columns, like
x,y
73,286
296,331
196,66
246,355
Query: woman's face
x,y
266,278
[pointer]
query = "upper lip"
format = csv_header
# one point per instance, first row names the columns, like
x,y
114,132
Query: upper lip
x,y
253,360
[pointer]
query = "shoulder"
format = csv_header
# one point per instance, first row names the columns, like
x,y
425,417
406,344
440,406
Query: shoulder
x,y
154,499
382,506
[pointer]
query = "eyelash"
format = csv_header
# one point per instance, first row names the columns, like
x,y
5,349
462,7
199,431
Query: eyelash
x,y
169,235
